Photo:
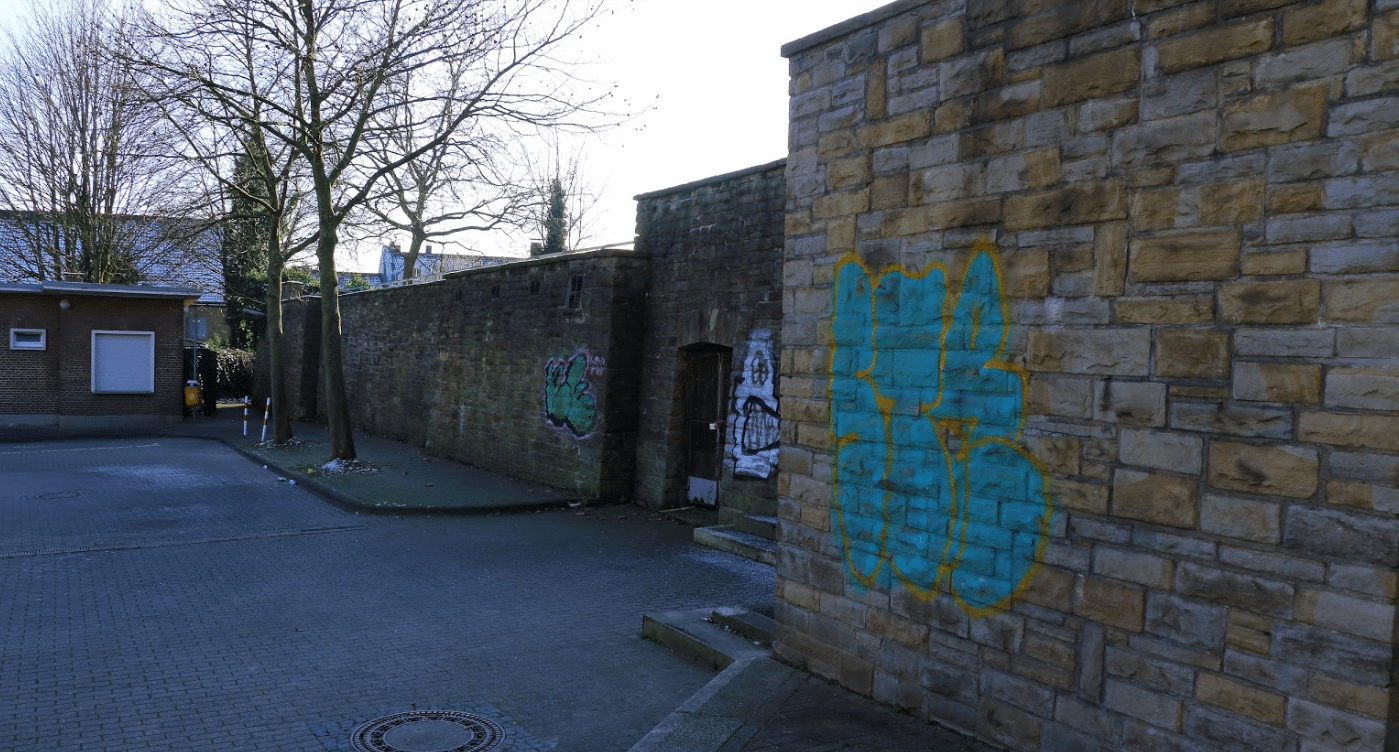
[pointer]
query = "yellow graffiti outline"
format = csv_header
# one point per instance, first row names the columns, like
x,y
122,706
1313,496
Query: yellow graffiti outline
x,y
962,428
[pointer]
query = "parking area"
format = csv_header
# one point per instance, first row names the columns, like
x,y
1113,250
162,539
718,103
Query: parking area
x,y
169,594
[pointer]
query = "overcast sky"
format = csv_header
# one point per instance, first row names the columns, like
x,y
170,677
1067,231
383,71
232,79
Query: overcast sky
x,y
716,82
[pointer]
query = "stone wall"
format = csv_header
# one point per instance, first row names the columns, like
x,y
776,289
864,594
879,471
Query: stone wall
x,y
1089,385
715,250
510,368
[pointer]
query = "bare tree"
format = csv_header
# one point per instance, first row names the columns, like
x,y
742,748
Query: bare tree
x,y
561,200
332,69
84,170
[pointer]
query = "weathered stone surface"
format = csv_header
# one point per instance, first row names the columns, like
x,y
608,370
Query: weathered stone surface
x,y
1072,205
1354,257
1346,613
941,41
1293,472
1235,590
1309,229
1165,142
1258,704
1216,44
1245,519
1092,77
1321,20
1321,60
1361,301
1151,497
1333,653
1275,118
1231,203
1285,343
1277,382
1185,257
1362,117
1192,353
1340,429
1343,535
1113,352
1139,403
1186,622
1312,161
1232,419
1176,309
1161,450
894,130
1337,693
1138,702
1363,388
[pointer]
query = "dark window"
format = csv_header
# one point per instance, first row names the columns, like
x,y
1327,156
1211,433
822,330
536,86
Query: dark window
x,y
575,292
534,287
495,291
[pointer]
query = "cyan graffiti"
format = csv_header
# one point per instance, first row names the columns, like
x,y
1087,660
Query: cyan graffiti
x,y
931,487
568,400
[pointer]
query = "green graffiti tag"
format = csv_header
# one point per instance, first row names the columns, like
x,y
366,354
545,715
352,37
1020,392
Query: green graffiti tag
x,y
568,399
932,488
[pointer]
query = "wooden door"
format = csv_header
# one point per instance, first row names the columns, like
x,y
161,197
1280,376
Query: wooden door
x,y
707,377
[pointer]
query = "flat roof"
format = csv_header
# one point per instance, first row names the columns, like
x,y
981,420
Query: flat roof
x,y
111,291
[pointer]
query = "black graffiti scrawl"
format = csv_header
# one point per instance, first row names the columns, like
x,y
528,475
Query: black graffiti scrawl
x,y
755,418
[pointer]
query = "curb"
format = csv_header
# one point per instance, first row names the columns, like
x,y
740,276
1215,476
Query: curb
x,y
728,711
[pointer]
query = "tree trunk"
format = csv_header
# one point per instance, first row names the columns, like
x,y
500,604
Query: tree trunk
x,y
410,259
337,407
276,357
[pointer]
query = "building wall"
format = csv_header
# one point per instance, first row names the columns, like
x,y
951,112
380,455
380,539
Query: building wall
x,y
54,386
715,252
1089,382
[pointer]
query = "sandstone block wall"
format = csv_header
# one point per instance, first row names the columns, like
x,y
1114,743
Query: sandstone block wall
x,y
1090,367
715,251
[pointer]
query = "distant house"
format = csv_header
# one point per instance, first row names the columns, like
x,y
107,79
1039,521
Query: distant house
x,y
79,354
431,265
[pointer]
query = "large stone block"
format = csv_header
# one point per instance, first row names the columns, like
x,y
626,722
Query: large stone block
x,y
1362,301
1212,255
1216,44
1112,352
1363,388
1275,118
1165,142
1288,471
1244,519
1175,309
1152,497
1346,613
1134,701
1161,450
1092,77
1341,429
1137,403
895,130
1192,353
1235,589
1333,653
1308,23
1110,602
1277,382
1078,204
1236,697
1232,419
1342,534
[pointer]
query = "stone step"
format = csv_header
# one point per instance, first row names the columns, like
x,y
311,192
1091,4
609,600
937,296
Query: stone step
x,y
761,525
747,545
747,624
694,634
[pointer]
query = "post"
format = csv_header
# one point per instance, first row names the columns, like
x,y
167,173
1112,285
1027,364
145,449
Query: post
x,y
265,413
246,402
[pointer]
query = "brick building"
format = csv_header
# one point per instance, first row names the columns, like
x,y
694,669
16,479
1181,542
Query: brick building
x,y
91,355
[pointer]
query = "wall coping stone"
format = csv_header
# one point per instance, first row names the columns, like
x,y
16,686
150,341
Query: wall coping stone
x,y
850,25
711,180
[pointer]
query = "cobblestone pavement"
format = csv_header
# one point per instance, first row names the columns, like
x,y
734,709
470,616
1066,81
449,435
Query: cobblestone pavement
x,y
167,594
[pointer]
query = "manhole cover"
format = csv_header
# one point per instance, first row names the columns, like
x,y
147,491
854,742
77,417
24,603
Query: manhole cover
x,y
57,495
428,731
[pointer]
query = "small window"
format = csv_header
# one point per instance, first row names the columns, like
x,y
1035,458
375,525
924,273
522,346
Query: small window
x,y
123,362
534,287
28,339
495,291
575,292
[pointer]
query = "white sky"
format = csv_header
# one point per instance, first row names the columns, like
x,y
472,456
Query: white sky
x,y
715,81
714,75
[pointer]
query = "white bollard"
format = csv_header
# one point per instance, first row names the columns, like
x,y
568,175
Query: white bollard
x,y
266,413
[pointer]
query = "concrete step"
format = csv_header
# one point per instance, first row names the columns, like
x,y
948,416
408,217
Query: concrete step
x,y
747,624
747,545
761,525
695,634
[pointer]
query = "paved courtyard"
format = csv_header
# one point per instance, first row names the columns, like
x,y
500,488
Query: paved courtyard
x,y
168,594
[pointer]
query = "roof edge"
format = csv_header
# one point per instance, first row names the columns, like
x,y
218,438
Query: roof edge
x,y
847,26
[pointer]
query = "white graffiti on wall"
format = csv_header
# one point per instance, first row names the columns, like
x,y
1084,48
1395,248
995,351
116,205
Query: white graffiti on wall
x,y
753,438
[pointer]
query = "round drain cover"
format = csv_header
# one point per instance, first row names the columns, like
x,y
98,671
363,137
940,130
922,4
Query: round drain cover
x,y
428,731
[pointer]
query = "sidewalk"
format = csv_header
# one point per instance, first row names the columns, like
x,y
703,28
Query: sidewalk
x,y
755,705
